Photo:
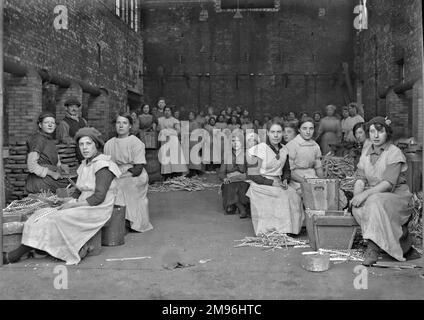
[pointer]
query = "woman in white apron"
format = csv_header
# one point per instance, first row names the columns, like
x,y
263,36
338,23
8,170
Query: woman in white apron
x,y
381,196
129,153
305,158
304,155
275,207
170,154
63,231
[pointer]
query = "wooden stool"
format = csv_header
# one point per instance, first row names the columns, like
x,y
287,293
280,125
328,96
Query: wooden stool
x,y
113,232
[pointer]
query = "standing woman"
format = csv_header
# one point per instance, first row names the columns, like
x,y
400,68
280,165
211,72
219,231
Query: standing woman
x,y
174,163
329,131
43,160
274,204
381,195
212,129
196,168
304,155
317,120
344,123
128,152
135,129
147,122
64,232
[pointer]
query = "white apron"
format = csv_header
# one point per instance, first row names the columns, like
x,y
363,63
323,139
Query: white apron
x,y
63,232
382,215
273,208
171,155
133,195
132,190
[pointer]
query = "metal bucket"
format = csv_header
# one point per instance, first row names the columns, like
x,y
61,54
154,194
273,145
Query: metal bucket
x,y
316,262
113,232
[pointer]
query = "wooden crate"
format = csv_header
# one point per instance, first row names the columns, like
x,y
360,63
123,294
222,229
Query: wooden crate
x,y
414,172
151,140
12,232
321,194
330,229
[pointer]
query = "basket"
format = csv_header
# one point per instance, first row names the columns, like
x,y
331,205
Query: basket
x,y
330,229
321,194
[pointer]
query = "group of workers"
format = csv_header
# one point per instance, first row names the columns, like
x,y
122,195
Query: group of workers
x,y
262,177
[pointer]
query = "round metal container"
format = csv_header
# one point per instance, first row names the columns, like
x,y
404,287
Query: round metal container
x,y
113,232
316,262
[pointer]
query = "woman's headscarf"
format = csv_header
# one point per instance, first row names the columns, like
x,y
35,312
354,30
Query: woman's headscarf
x,y
93,133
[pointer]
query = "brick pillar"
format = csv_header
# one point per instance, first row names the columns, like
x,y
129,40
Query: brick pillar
x,y
398,109
98,112
63,94
24,105
418,111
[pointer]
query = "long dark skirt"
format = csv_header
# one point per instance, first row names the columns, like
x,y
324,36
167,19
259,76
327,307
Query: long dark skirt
x,y
234,193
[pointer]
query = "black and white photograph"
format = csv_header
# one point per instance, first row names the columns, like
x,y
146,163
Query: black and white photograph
x,y
211,155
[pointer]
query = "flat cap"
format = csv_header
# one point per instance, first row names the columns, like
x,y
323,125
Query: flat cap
x,y
72,101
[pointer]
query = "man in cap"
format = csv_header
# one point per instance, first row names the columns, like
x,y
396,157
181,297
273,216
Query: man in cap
x,y
72,122
69,126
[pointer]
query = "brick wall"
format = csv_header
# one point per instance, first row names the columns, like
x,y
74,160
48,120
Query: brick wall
x,y
283,50
31,40
394,33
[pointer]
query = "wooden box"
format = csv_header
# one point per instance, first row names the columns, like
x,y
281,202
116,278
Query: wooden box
x,y
11,242
321,194
12,232
330,229
151,140
414,172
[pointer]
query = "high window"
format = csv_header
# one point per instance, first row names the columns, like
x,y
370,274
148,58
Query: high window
x,y
129,12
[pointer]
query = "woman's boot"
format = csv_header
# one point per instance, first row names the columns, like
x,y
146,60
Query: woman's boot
x,y
371,254
242,211
15,255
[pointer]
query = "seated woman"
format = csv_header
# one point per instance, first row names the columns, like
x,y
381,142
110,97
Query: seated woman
x,y
290,132
275,206
381,196
129,153
64,231
43,160
362,141
304,155
305,159
221,122
233,176
361,137
234,123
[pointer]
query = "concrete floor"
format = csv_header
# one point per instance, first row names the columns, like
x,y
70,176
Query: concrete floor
x,y
190,227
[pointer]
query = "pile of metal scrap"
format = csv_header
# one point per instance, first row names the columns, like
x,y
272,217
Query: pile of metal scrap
x,y
273,240
342,168
415,225
182,184
25,207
